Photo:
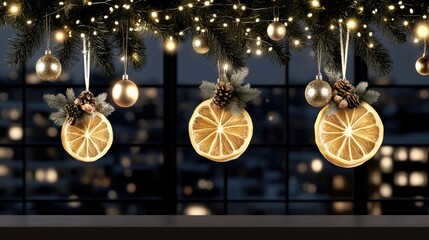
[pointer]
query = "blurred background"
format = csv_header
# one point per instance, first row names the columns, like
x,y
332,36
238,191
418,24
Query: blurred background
x,y
282,171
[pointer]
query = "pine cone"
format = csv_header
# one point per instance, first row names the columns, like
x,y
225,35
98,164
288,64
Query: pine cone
x,y
86,101
223,94
342,87
352,100
73,113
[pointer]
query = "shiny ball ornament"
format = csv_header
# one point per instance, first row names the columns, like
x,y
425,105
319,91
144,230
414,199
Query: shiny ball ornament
x,y
276,30
318,93
422,65
48,67
125,93
200,45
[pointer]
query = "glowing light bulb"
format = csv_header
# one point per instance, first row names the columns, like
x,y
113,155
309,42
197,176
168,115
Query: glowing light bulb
x,y
422,30
14,9
351,24
315,3
170,45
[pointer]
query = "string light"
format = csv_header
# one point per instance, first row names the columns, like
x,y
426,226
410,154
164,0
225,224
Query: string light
x,y
160,15
422,30
170,45
14,9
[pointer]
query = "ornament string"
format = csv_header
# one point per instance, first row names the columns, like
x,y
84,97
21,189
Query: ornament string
x,y
276,13
218,70
48,32
86,60
319,63
125,48
344,50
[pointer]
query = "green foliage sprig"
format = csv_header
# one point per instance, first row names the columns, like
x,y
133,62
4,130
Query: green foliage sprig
x,y
61,101
242,93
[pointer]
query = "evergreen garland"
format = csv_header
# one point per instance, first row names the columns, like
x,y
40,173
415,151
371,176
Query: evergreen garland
x,y
228,38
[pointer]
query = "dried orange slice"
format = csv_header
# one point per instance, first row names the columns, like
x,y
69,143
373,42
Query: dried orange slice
x,y
89,140
349,137
219,135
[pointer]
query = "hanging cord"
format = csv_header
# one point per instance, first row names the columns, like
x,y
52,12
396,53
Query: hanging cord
x,y
344,50
218,70
48,33
86,60
125,48
276,13
319,63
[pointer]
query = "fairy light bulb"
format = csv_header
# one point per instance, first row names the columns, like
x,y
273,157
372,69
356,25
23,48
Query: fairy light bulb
x,y
170,45
315,3
14,9
59,36
125,93
351,24
422,31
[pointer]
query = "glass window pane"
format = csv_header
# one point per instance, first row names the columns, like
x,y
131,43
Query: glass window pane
x,y
313,177
11,159
255,208
321,208
11,115
11,208
133,172
257,174
198,177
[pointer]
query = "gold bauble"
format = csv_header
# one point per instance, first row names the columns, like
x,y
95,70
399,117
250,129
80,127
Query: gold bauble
x,y
276,30
318,93
422,65
200,45
125,93
48,67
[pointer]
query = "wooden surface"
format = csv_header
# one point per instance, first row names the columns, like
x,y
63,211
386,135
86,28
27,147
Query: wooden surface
x,y
214,227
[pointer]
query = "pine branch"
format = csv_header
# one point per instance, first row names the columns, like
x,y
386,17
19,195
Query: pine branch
x,y
237,77
58,101
106,109
102,54
69,52
59,118
207,89
360,88
101,98
333,109
24,44
376,57
371,96
235,108
70,95
246,93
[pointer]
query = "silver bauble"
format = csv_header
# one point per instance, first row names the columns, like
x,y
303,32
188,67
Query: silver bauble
x,y
48,67
318,93
276,30
125,93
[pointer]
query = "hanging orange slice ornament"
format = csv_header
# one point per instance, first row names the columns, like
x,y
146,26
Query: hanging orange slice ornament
x,y
349,137
219,135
